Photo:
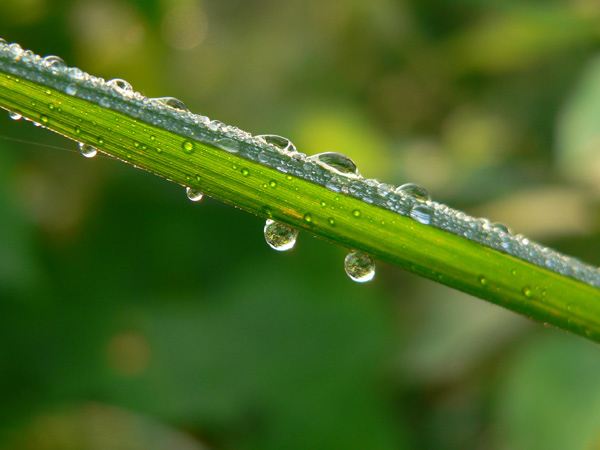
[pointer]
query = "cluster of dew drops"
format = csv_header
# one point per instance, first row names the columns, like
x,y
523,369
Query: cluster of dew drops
x,y
359,266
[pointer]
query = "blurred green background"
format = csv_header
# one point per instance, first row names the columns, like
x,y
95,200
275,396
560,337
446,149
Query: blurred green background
x,y
131,318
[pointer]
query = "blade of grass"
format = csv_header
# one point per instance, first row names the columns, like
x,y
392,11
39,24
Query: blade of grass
x,y
234,167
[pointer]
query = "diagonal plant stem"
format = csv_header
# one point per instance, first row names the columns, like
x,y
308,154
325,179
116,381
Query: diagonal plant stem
x,y
265,176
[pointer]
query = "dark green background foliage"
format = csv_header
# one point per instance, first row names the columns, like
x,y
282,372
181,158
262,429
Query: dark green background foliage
x,y
132,318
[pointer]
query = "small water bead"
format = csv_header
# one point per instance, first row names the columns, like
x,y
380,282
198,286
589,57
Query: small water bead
x,y
188,147
76,73
331,221
172,102
87,150
105,102
245,172
356,213
337,163
278,141
193,194
359,266
71,89
280,236
527,292
415,191
14,115
229,145
44,119
501,227
422,214
54,63
273,184
308,217
483,280
121,86
15,49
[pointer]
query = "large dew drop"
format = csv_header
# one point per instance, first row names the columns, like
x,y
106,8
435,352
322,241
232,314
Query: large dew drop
x,y
54,63
415,191
359,266
14,115
337,163
193,194
280,236
278,141
87,150
172,102
121,86
421,214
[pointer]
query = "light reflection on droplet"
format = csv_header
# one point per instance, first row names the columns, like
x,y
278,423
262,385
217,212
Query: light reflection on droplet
x,y
359,266
87,150
279,236
193,194
337,163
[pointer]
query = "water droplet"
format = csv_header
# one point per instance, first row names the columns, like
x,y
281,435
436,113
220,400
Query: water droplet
x,y
415,191
15,49
188,147
245,172
121,86
105,102
273,183
44,118
308,217
527,292
359,266
278,141
337,163
87,150
229,145
71,89
356,213
280,236
193,194
14,115
422,214
483,280
172,102
331,221
501,227
54,63
100,140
